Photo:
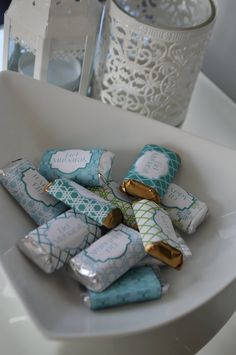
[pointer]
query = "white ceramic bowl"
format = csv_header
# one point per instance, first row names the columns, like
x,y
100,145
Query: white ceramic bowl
x,y
61,72
36,116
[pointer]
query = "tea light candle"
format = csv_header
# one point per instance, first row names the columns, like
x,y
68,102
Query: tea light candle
x,y
64,73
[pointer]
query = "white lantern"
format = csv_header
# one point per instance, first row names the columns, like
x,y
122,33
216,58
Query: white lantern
x,y
52,40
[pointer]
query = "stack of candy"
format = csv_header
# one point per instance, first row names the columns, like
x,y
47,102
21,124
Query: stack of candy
x,y
113,236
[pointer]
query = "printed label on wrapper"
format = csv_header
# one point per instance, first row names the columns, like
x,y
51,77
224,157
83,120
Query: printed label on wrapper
x,y
70,160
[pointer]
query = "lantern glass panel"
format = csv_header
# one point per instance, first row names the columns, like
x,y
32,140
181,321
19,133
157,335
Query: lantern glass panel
x,y
65,65
17,58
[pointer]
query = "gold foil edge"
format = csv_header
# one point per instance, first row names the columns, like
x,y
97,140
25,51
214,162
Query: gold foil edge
x,y
165,253
46,187
113,218
138,189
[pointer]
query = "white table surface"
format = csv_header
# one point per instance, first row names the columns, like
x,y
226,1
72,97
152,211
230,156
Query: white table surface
x,y
211,115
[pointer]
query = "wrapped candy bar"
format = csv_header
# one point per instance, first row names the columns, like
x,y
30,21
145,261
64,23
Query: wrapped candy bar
x,y
98,266
25,184
157,233
186,211
151,173
53,244
83,166
86,202
111,192
137,285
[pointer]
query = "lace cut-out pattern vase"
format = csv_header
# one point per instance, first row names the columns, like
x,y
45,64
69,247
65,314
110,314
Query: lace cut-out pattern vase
x,y
150,54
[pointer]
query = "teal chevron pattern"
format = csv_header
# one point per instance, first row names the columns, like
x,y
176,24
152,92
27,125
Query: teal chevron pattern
x,y
81,200
161,183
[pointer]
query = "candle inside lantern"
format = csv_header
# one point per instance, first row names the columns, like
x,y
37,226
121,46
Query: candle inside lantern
x,y
61,72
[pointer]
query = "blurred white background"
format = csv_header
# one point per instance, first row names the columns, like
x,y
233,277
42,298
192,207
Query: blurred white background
x,y
220,64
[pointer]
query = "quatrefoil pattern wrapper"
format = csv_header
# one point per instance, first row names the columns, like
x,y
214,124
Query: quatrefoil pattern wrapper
x,y
157,233
25,184
90,167
98,266
151,173
137,285
53,244
85,202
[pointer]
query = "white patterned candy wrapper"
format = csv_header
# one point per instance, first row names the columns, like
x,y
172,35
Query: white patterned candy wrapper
x,y
86,202
26,184
111,192
157,233
53,244
91,167
186,211
98,266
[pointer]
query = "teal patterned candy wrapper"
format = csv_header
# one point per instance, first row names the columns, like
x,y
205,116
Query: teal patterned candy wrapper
x,y
157,233
98,266
91,167
186,211
85,202
53,244
152,172
137,285
26,185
